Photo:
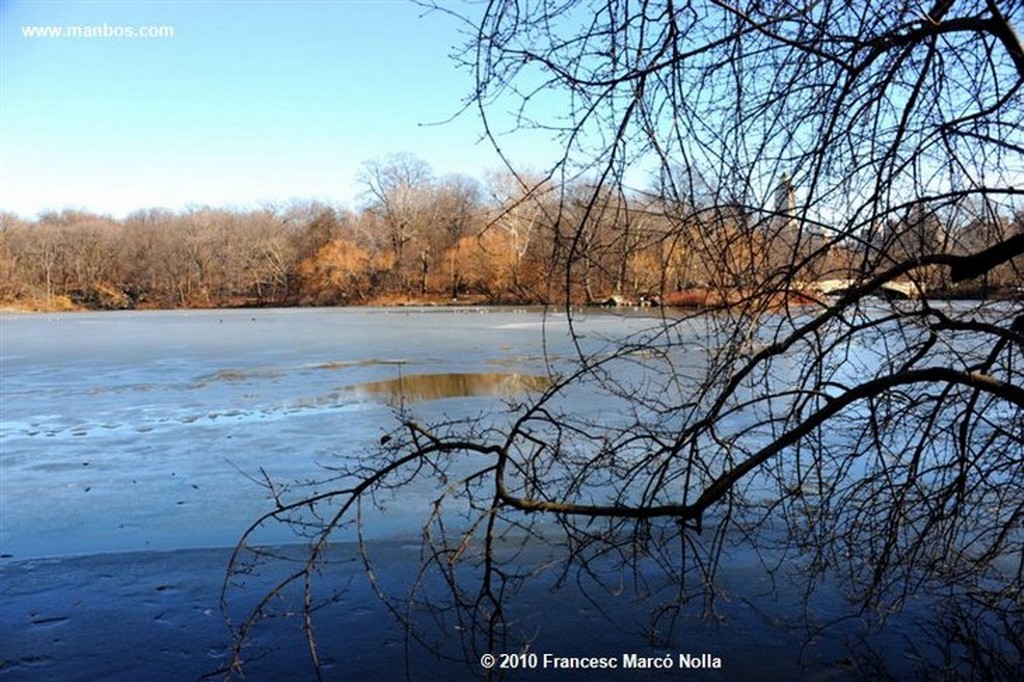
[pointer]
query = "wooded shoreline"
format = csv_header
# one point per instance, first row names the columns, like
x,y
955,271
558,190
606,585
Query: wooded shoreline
x,y
423,240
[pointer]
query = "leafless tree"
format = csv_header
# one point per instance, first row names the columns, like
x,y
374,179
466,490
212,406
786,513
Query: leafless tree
x,y
456,211
397,190
882,437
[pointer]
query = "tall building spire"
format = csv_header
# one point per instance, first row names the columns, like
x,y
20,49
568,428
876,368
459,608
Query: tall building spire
x,y
785,198
785,210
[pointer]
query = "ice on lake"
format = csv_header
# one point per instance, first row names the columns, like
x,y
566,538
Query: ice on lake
x,y
132,443
141,430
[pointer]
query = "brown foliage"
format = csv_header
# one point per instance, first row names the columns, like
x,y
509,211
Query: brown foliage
x,y
340,272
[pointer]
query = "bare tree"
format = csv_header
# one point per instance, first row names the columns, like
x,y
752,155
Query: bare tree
x,y
882,437
455,210
398,188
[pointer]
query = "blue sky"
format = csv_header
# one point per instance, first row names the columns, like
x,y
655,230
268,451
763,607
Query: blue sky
x,y
249,102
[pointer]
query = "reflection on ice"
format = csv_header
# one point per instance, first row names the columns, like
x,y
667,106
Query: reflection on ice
x,y
423,387
158,402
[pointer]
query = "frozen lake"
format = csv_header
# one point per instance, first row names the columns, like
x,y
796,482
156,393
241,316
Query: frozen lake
x,y
140,431
131,444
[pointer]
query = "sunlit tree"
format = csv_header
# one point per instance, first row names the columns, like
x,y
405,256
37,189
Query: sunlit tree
x,y
339,272
398,191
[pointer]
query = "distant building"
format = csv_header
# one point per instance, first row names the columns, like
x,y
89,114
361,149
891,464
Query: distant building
x,y
785,227
919,232
785,202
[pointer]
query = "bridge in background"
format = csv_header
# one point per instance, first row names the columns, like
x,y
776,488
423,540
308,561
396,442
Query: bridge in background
x,y
837,287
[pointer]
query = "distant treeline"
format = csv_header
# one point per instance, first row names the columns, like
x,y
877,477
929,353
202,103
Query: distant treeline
x,y
422,238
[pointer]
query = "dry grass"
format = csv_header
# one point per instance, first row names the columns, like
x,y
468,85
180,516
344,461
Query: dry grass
x,y
52,304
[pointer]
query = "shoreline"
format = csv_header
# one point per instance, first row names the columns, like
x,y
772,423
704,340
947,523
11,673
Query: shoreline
x,y
697,298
